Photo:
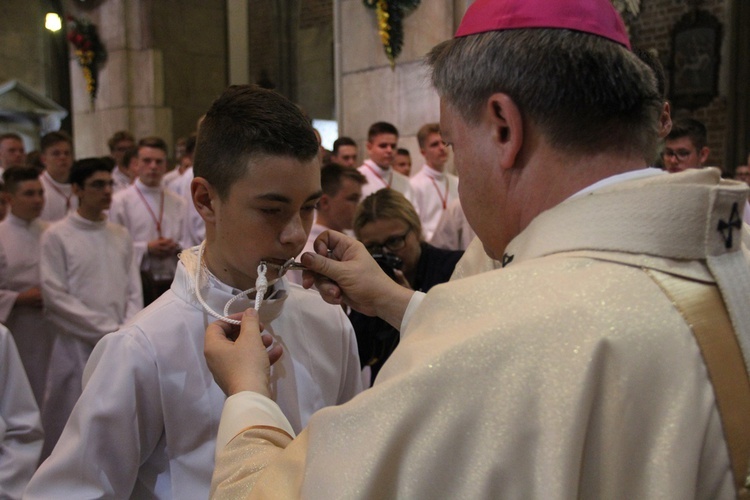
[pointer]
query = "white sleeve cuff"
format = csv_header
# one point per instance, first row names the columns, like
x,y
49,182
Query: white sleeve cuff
x,y
247,409
414,303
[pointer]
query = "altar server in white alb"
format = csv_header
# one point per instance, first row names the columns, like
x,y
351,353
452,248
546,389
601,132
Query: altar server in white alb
x,y
91,286
605,359
342,192
178,180
453,231
12,151
154,217
56,154
119,144
382,142
193,227
434,188
20,285
20,427
146,423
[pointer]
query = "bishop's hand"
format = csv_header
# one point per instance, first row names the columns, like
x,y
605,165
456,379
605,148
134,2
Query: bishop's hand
x,y
344,271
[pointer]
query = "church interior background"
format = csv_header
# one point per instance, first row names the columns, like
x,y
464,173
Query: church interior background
x,y
166,60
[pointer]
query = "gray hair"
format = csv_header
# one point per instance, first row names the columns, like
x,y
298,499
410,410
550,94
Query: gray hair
x,y
586,94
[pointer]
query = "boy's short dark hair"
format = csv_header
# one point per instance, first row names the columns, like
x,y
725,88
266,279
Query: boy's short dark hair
x,y
332,174
34,161
403,152
247,121
10,135
14,176
83,169
122,135
425,131
690,128
128,156
378,128
190,144
52,138
153,142
343,141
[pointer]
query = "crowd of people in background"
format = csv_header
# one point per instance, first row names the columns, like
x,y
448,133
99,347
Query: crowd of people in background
x,y
86,244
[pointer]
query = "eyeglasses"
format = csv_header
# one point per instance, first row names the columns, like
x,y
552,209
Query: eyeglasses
x,y
394,244
100,185
680,154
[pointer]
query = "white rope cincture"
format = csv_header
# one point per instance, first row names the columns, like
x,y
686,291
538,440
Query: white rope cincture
x,y
260,289
261,284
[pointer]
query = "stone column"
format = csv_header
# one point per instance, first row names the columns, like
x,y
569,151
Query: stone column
x,y
131,82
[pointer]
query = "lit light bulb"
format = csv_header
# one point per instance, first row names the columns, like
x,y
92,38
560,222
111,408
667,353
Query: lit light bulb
x,y
52,22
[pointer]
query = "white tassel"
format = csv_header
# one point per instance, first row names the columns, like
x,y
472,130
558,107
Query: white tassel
x,y
261,285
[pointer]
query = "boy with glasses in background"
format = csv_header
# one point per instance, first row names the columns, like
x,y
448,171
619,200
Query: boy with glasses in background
x,y
90,285
685,146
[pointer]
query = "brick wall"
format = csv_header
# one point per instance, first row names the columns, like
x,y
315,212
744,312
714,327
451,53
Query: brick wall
x,y
653,29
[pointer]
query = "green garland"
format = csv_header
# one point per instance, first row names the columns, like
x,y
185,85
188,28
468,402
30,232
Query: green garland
x,y
391,15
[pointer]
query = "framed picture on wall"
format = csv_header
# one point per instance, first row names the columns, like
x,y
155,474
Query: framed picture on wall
x,y
696,53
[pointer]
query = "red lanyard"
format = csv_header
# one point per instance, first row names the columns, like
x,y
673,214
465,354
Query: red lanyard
x,y
59,191
386,184
151,212
444,199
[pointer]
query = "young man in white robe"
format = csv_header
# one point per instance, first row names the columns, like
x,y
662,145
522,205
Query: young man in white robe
x,y
91,287
577,369
20,285
20,427
119,144
342,192
12,151
56,154
154,217
193,227
345,152
382,143
178,180
434,188
453,231
145,426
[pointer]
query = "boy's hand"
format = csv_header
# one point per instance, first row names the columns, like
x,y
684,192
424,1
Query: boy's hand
x,y
242,364
30,298
162,247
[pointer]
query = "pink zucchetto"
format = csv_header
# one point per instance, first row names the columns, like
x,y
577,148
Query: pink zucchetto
x,y
597,17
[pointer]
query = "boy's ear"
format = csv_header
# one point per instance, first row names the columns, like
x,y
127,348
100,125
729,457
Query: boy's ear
x,y
323,202
703,154
204,198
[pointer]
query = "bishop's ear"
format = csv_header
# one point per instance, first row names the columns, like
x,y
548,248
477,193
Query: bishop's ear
x,y
504,118
204,198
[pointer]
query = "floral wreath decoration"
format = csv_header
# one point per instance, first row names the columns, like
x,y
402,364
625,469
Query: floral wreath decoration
x,y
89,50
391,14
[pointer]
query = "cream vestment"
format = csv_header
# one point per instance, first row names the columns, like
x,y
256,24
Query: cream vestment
x,y
567,374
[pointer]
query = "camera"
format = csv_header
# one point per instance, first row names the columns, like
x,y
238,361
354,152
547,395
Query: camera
x,y
388,262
